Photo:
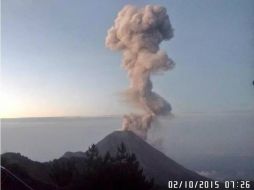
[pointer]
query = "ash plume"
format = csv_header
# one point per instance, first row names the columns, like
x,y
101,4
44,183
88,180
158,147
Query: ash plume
x,y
137,33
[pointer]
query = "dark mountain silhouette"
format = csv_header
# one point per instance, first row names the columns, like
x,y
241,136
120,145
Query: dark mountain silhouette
x,y
38,170
154,163
49,175
19,172
91,172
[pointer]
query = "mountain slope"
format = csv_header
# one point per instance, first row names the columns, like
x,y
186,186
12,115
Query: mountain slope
x,y
37,170
154,163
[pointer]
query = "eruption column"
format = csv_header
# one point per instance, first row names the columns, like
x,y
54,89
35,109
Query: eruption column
x,y
137,33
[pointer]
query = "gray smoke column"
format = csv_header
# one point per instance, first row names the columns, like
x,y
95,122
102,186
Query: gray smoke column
x,y
137,33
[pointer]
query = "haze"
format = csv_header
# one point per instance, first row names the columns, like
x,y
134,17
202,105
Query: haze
x,y
54,62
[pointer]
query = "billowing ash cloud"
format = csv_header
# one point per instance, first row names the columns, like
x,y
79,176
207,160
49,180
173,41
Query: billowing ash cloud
x,y
137,33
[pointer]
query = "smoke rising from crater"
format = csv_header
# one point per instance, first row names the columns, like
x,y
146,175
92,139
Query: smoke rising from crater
x,y
137,33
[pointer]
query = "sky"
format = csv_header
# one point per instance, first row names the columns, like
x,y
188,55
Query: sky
x,y
55,63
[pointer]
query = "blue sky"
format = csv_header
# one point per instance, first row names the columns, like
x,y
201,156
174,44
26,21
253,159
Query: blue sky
x,y
55,63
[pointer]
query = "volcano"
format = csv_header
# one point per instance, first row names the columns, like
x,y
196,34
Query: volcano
x,y
155,164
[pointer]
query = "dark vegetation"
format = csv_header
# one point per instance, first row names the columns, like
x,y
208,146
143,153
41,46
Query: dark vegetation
x,y
92,172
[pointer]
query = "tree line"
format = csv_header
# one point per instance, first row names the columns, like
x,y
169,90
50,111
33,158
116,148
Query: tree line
x,y
94,171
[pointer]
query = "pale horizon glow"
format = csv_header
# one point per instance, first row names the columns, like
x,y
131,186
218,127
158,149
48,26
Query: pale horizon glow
x,y
55,63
